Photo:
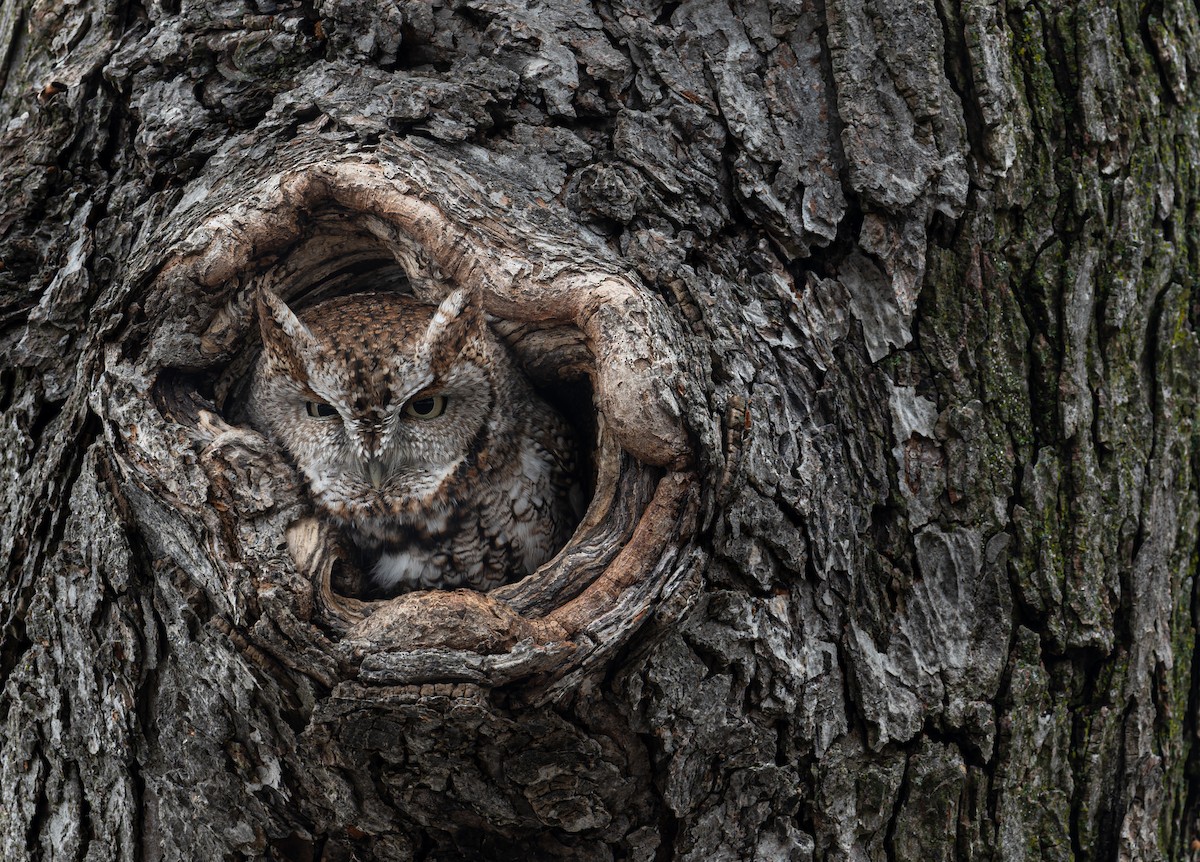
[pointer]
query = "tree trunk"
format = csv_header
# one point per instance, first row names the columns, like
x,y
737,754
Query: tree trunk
x,y
879,322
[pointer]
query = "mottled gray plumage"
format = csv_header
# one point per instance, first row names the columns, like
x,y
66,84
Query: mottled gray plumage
x,y
418,435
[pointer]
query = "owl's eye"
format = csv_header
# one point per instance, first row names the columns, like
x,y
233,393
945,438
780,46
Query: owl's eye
x,y
318,410
426,407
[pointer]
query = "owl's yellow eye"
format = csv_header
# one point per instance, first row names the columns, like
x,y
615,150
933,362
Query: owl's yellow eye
x,y
426,407
319,410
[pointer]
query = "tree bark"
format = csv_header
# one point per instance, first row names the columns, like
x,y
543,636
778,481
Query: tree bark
x,y
880,320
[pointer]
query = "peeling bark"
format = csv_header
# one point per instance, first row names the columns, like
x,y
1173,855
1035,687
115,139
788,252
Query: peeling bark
x,y
879,319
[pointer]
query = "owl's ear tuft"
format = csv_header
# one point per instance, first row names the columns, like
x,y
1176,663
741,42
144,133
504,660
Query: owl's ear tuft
x,y
457,321
285,338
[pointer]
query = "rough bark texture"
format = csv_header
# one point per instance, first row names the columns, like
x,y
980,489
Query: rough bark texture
x,y
889,313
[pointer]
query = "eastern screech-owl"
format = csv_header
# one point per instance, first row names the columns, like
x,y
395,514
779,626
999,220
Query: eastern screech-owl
x,y
418,435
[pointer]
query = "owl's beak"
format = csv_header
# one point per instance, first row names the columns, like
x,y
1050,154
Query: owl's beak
x,y
375,473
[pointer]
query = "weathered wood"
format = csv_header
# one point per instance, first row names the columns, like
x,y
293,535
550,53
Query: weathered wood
x,y
882,320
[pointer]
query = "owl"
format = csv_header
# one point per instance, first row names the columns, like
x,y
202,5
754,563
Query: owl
x,y
418,435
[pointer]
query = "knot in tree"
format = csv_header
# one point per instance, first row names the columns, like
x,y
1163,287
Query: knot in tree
x,y
356,366
619,431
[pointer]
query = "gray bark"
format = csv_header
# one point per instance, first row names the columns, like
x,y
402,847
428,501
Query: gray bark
x,y
887,312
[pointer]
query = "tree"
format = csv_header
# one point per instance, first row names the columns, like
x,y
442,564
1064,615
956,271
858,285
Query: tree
x,y
879,319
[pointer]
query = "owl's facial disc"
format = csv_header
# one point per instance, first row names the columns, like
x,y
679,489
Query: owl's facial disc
x,y
400,446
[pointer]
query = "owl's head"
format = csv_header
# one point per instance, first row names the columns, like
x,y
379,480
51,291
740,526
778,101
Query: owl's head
x,y
379,398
